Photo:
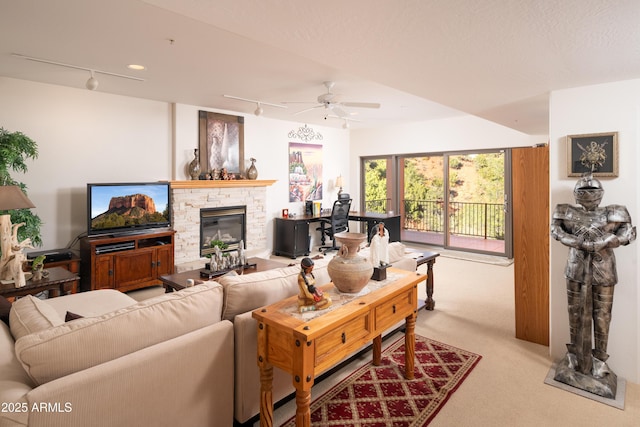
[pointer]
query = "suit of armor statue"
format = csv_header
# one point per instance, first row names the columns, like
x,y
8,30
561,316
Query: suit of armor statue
x,y
591,233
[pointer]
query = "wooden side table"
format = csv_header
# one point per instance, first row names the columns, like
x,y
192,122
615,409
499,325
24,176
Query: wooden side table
x,y
60,281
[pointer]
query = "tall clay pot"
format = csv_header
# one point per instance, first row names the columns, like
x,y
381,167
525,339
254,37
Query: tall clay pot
x,y
349,271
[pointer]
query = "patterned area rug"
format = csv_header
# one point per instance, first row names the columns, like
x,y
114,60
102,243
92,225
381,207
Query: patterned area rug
x,y
381,396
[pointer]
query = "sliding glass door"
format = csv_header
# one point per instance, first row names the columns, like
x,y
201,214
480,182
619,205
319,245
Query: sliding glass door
x,y
453,200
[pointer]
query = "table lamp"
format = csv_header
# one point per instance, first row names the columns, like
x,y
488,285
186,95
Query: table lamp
x,y
339,183
12,197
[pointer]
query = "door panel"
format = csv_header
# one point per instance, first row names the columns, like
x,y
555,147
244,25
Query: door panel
x,y
530,172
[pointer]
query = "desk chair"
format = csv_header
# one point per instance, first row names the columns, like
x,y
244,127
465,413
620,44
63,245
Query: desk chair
x,y
338,223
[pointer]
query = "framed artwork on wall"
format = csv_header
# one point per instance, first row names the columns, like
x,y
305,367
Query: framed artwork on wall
x,y
596,152
221,142
305,172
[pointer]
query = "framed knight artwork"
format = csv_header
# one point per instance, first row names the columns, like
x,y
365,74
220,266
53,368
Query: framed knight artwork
x,y
221,142
595,152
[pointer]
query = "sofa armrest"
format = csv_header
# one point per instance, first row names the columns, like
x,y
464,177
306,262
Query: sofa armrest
x,y
187,380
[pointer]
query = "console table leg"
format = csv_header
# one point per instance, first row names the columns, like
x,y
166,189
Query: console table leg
x,y
266,395
303,411
430,304
377,350
410,346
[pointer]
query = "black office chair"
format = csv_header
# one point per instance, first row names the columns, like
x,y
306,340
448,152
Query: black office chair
x,y
338,223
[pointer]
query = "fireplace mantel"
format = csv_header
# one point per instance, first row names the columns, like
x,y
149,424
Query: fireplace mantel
x,y
232,183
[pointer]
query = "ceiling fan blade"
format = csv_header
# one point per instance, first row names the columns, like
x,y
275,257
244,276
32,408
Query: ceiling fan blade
x,y
361,104
308,109
339,112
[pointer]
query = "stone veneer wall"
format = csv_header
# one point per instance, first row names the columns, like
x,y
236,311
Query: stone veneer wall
x,y
186,205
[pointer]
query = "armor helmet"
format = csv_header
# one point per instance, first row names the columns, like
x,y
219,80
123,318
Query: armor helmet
x,y
588,192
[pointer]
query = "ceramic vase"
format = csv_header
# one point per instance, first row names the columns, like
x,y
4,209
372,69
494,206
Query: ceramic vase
x,y
349,271
252,172
194,166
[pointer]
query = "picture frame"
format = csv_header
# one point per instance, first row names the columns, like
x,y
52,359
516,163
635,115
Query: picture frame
x,y
221,143
600,149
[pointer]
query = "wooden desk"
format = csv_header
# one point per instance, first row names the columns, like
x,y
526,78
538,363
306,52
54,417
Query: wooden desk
x,y
177,281
292,234
305,345
60,281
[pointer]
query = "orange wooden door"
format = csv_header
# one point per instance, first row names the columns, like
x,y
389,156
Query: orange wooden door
x,y
530,204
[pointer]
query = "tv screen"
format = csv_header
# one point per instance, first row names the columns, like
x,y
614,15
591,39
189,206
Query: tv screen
x,y
118,208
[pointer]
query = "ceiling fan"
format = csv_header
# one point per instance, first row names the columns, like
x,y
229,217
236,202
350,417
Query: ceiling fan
x,y
329,102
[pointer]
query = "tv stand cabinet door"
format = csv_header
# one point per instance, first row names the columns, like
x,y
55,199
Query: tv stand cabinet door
x,y
164,261
103,274
134,269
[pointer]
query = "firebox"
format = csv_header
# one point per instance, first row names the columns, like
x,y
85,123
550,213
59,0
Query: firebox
x,y
225,224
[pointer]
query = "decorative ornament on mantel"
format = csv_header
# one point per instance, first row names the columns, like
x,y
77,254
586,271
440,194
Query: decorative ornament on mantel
x,y
305,133
252,172
194,166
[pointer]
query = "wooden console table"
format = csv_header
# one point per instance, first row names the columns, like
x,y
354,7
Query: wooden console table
x,y
59,282
428,258
305,347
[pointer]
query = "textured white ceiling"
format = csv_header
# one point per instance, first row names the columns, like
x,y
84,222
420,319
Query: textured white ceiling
x,y
420,59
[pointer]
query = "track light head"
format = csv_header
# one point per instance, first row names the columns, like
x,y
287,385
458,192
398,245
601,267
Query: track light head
x,y
259,110
92,83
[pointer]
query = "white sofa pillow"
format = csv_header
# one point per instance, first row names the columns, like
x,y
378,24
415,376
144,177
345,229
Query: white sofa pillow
x,y
74,346
30,314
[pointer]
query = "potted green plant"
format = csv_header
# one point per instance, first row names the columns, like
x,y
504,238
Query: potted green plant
x,y
15,149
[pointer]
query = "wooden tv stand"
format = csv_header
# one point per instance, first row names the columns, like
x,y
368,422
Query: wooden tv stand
x,y
126,262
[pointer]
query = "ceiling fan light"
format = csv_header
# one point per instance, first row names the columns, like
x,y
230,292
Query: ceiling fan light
x,y
92,83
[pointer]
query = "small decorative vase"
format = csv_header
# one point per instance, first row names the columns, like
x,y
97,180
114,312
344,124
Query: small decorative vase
x,y
349,271
252,172
194,166
37,274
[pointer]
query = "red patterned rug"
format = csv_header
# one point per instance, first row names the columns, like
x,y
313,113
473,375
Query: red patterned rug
x,y
377,396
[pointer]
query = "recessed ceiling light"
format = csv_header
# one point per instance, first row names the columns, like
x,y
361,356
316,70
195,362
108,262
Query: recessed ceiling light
x,y
136,67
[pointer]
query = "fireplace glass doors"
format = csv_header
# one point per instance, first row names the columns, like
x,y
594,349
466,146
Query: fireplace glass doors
x,y
226,225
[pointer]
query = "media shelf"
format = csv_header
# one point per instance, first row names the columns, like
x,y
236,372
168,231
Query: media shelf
x,y
126,262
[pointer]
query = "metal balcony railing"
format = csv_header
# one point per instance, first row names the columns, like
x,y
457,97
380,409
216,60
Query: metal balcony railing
x,y
484,220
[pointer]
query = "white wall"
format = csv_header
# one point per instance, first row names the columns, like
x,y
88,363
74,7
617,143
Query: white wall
x,y
86,136
595,109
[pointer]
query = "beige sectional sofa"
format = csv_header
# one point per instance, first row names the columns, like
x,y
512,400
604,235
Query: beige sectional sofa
x,y
160,362
187,358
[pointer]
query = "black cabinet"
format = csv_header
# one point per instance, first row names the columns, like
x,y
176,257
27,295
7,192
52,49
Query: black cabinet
x,y
292,237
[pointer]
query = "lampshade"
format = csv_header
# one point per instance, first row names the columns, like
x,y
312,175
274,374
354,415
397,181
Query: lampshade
x,y
12,197
339,182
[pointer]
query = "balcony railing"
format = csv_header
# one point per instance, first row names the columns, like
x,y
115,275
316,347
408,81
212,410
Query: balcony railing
x,y
465,219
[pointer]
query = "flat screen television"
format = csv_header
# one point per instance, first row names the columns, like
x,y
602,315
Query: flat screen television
x,y
123,208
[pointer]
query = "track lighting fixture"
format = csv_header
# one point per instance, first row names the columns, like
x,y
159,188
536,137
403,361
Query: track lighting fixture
x,y
259,110
345,125
92,83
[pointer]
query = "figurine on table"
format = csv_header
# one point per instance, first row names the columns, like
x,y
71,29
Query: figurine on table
x,y
310,298
379,246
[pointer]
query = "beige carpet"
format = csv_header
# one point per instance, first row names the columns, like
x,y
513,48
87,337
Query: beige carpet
x,y
475,311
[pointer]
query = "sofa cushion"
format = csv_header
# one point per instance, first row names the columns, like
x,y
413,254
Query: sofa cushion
x,y
91,304
77,345
248,292
30,314
5,308
14,382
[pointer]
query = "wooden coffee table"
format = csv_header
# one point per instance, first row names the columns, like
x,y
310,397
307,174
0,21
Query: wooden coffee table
x,y
178,281
59,282
306,347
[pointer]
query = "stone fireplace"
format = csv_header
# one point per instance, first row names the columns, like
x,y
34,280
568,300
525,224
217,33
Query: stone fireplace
x,y
189,197
225,224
